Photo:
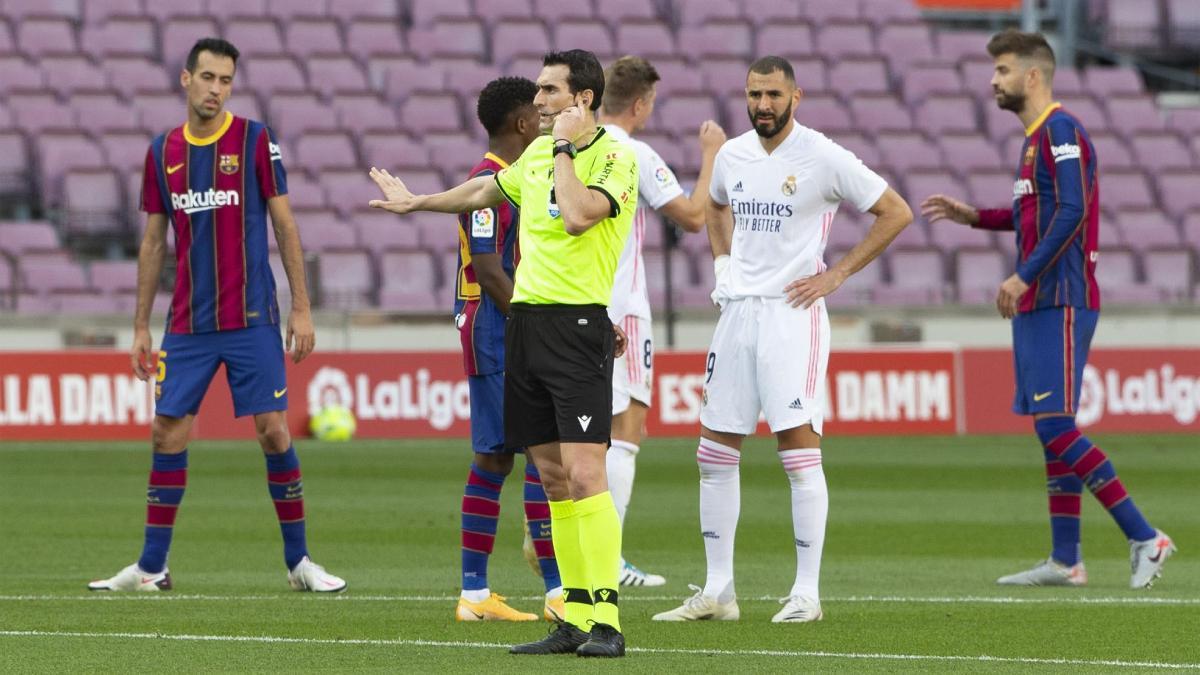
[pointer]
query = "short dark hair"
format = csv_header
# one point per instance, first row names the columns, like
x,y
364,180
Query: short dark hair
x,y
585,72
214,45
769,64
626,80
1030,46
500,99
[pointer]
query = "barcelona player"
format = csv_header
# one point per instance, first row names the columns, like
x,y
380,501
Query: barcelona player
x,y
1054,303
484,287
215,179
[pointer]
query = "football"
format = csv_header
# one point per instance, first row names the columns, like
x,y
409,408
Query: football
x,y
333,423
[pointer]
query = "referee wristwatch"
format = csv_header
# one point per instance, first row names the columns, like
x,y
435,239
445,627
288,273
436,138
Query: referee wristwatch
x,y
562,145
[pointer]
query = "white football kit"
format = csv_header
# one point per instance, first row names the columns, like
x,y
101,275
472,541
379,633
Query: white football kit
x,y
630,305
766,355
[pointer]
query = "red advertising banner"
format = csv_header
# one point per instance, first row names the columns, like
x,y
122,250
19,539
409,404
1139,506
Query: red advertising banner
x,y
92,395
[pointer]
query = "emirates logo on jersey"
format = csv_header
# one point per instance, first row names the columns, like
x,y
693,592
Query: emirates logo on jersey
x,y
228,164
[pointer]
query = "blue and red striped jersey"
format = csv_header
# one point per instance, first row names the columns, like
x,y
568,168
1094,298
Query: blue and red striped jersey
x,y
214,191
491,230
1056,214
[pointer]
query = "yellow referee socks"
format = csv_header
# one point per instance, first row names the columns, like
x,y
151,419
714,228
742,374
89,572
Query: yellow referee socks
x,y
600,541
577,593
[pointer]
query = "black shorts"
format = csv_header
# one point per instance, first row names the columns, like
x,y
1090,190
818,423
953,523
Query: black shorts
x,y
558,364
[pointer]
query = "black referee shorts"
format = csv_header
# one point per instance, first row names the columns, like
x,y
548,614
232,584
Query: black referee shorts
x,y
558,363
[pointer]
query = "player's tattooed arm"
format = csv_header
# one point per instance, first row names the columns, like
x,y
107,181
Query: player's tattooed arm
x,y
300,331
477,193
891,216
150,265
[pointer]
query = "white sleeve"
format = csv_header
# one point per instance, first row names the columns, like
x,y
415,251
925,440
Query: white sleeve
x,y
851,180
656,182
716,185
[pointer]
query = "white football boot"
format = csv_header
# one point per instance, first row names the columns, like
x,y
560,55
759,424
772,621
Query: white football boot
x,y
1146,559
631,575
798,609
309,576
700,607
1048,573
132,578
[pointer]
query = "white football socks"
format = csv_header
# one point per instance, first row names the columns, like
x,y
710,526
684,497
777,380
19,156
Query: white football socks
x,y
720,504
621,463
810,507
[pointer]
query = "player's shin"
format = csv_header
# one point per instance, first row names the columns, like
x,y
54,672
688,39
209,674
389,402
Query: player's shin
x,y
1064,490
720,505
810,507
480,513
537,515
168,478
564,529
287,492
600,543
621,465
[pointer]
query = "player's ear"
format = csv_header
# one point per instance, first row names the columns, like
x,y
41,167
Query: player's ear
x,y
185,78
585,99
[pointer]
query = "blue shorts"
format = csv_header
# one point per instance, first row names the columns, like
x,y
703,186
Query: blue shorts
x,y
487,413
254,368
1050,350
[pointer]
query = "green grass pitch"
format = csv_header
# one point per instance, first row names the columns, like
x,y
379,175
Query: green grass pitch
x,y
919,528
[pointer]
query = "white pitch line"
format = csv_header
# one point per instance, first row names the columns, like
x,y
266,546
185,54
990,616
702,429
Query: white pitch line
x,y
380,642
865,599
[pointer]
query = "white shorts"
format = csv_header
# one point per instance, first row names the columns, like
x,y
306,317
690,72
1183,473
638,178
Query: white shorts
x,y
768,356
633,373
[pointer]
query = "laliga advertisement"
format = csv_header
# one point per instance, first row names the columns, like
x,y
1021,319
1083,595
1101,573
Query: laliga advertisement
x,y
93,395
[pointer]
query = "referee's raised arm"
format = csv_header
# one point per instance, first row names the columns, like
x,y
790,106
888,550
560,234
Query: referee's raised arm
x,y
480,192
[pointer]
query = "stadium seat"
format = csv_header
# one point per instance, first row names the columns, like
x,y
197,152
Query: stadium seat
x,y
459,38
1186,120
44,36
61,151
919,81
1143,229
348,189
179,33
392,151
160,112
323,231
592,35
788,39
1069,82
132,74
693,13
826,114
1105,82
1134,24
656,284
906,44
379,231
907,150
120,36
98,12
35,304
990,188
859,288
767,13
649,39
978,275
1089,113
368,37
67,74
20,74
113,276
35,112
238,8
393,74
1161,150
424,112
918,278
256,37
317,151
512,38
947,114
347,279
1178,193
305,193
1171,272
437,231
52,271
553,11
1111,151
104,112
617,12
686,111
408,280
291,115
1129,114
361,113
955,46
268,75
424,12
860,76
309,37
94,202
1119,280
860,145
14,165
1126,189
680,76
875,113
837,40
18,238
969,151
335,73
498,10
289,10
822,11
718,39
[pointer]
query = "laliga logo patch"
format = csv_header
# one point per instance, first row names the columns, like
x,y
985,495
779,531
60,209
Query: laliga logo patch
x,y
662,176
228,164
482,223
789,186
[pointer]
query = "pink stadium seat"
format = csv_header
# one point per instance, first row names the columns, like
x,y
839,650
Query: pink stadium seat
x,y
268,75
1143,229
424,12
288,10
841,39
14,164
8,43
104,112
592,35
309,37
68,74
719,39
656,284
687,111
824,11
43,36
460,38
364,112
883,12
906,44
293,114
1126,189
786,38
368,37
1134,23
724,78
323,232
954,46
650,39
456,154
238,8
330,73
915,236
393,151
99,12
380,10
83,302
977,75
347,278
304,193
61,152
430,111
862,147
93,201
1171,272
160,112
947,114
407,282
111,276
21,9
349,190
246,106
178,34
131,74
37,111
766,13
36,304
971,151
379,230
1185,23
845,233
317,151
8,282
991,188
553,11
437,231
21,237
1069,82
394,74
680,76
866,75
827,114
1119,280
918,278
874,113
121,36
256,37
859,288
1178,193
693,13
624,11
1186,120
978,275
496,10
922,80
1161,150
1129,114
422,182
1112,152
43,272
512,38
904,151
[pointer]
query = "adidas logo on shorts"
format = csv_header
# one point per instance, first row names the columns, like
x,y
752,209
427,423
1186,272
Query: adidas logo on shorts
x,y
796,405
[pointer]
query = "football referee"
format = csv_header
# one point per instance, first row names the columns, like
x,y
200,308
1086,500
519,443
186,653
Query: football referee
x,y
576,188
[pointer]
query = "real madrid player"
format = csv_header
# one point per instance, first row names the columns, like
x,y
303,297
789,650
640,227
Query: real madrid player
x,y
773,198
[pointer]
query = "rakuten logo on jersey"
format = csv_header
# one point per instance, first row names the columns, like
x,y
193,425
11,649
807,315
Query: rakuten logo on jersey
x,y
1022,187
1152,392
194,202
411,396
